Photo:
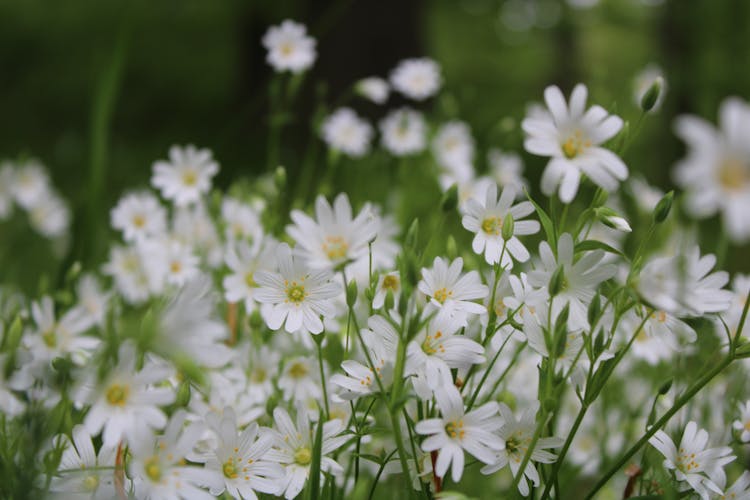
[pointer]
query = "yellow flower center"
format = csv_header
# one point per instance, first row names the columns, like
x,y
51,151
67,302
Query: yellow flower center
x,y
50,338
229,469
575,144
259,375
153,468
455,429
249,280
286,48
492,225
432,345
733,174
686,462
747,425
90,483
175,267
298,370
303,456
139,221
117,394
335,247
442,295
295,293
190,177
391,282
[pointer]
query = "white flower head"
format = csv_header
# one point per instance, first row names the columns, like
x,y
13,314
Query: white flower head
x,y
485,216
289,47
54,338
83,473
187,176
456,431
244,260
571,137
31,183
345,131
50,216
451,293
127,268
506,169
387,283
643,82
417,79
373,88
242,220
138,216
295,296
403,132
453,145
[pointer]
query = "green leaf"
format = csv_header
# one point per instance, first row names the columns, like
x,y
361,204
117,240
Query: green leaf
x,y
317,452
544,219
586,245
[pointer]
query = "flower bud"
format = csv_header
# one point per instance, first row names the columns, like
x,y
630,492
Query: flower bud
x,y
661,211
279,178
557,282
449,201
351,293
450,247
508,226
612,219
649,99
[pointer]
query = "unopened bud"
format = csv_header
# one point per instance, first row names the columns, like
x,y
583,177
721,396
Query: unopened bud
x,y
351,293
449,201
612,219
663,207
508,226
649,99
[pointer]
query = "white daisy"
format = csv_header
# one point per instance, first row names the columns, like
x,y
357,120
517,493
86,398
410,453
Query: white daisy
x,y
387,283
92,300
506,169
403,132
345,131
485,216
139,215
334,237
743,423
298,380
660,330
453,145
127,269
517,434
187,176
417,79
716,171
82,473
373,88
53,338
244,260
456,431
701,468
31,183
192,225
572,136
451,293
289,47
50,216
242,221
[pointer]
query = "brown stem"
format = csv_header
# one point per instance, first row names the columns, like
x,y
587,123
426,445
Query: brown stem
x,y
232,322
435,478
120,473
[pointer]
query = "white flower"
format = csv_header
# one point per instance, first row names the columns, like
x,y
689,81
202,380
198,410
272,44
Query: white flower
x,y
743,423
456,431
387,283
158,464
82,473
580,278
345,131
417,79
659,330
740,490
373,88
716,171
238,459
682,285
334,236
644,194
294,449
453,145
643,82
92,300
298,380
139,215
435,351
31,184
289,47
193,226
50,216
11,405
186,176
126,403
54,338
188,326
244,260
572,137
127,269
168,261
572,349
733,315
242,221
517,435
295,296
450,292
485,216
701,468
507,170
403,132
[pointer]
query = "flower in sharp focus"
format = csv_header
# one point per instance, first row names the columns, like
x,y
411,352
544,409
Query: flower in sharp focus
x,y
139,215
692,462
743,423
485,217
517,434
643,83
295,296
82,472
456,431
417,79
334,236
126,403
580,278
187,176
373,88
158,465
716,171
345,131
289,47
238,459
403,132
293,449
571,137
451,293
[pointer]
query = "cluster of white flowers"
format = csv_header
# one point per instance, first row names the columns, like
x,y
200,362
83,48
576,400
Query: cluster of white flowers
x,y
230,349
26,183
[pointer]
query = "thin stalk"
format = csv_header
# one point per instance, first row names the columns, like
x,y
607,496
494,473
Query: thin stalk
x,y
323,376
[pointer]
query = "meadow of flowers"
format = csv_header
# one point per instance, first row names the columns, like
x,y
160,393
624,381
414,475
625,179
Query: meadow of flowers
x,y
285,338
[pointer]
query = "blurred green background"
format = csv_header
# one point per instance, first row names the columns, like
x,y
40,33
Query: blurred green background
x,y
107,86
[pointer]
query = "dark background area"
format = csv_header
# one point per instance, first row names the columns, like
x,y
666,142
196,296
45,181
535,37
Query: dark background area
x,y
108,86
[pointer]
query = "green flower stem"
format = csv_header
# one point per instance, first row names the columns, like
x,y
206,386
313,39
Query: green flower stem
x,y
319,343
